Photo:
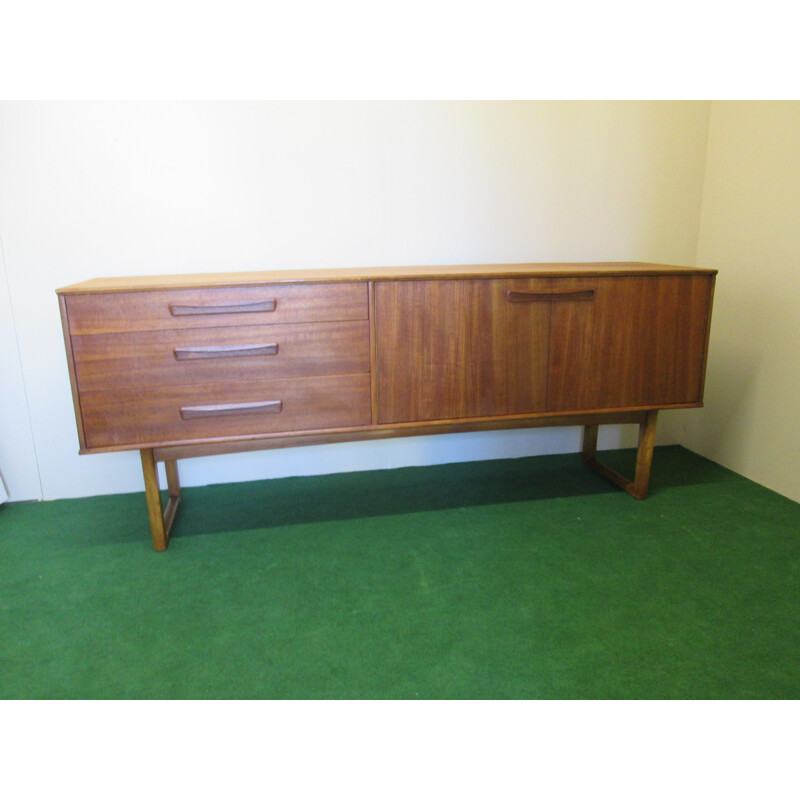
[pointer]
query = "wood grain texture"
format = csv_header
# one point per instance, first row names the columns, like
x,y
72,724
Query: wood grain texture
x,y
709,309
573,359
231,409
607,342
147,358
173,480
150,310
436,351
441,351
526,336
207,309
258,441
378,432
373,355
450,271
183,366
155,511
639,486
73,379
649,337
136,418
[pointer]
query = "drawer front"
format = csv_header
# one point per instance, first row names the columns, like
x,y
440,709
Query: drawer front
x,y
122,312
221,355
138,417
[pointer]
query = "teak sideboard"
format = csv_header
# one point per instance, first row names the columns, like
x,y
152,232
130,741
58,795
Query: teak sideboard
x,y
194,365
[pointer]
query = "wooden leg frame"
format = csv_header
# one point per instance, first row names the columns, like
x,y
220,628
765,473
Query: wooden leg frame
x,y
644,457
161,520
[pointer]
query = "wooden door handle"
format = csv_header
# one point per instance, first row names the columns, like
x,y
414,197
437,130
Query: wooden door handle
x,y
587,294
548,297
225,351
232,409
179,310
528,297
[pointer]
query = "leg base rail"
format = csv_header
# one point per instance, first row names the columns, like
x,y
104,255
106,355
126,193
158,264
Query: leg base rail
x,y
161,520
644,458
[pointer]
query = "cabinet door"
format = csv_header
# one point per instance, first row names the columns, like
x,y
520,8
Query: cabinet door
x,y
574,358
640,341
440,349
527,331
455,349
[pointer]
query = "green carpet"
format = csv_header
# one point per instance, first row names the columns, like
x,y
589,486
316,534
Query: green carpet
x,y
525,578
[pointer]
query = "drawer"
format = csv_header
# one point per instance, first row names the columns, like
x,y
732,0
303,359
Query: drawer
x,y
222,355
138,417
273,304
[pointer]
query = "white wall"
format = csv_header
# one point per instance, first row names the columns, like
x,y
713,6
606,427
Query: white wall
x,y
110,189
19,477
750,231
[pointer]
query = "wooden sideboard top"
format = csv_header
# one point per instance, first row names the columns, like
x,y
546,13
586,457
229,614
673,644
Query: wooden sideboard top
x,y
188,281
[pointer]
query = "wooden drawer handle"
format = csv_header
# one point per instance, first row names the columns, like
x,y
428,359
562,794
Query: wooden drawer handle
x,y
225,351
178,310
548,297
231,409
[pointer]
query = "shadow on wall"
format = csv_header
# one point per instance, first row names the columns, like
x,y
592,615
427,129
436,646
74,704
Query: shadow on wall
x,y
728,398
735,359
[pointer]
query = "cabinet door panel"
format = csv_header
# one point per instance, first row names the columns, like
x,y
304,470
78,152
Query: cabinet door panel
x,y
440,352
640,342
527,326
572,364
